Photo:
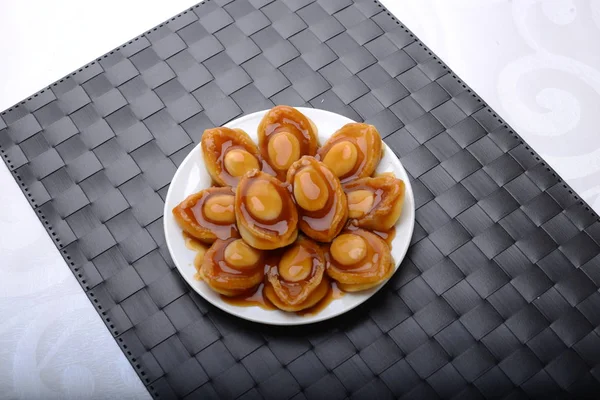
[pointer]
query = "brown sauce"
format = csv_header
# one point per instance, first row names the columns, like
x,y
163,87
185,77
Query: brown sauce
x,y
192,243
196,213
310,188
333,293
223,272
369,264
357,135
200,248
378,193
324,219
266,168
257,298
291,126
260,298
388,236
224,142
254,299
380,185
287,119
290,291
198,265
294,289
361,156
278,227
320,223
389,173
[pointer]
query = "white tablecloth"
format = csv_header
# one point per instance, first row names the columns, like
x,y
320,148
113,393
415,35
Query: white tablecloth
x,y
537,63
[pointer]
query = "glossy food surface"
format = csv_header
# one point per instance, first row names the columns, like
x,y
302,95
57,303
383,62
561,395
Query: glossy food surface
x,y
265,212
352,152
231,267
229,154
254,303
284,135
375,203
208,215
321,201
295,283
358,259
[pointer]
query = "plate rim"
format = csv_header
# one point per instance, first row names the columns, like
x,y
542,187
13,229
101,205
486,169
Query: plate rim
x,y
317,317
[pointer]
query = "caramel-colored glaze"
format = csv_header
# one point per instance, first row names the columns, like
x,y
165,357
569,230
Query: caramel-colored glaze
x,y
285,135
387,173
192,216
219,208
388,235
296,264
238,161
333,293
310,189
283,150
263,200
354,151
359,287
311,300
265,211
315,185
348,249
360,202
199,259
200,248
365,268
232,268
229,154
295,281
256,298
342,158
375,203
194,244
241,256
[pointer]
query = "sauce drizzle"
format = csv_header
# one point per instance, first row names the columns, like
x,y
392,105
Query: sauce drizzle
x,y
388,236
333,293
192,243
254,299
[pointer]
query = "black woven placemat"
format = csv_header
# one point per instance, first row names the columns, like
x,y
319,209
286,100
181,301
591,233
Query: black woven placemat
x,y
498,296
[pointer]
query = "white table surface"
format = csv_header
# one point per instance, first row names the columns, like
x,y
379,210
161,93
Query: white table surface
x,y
536,62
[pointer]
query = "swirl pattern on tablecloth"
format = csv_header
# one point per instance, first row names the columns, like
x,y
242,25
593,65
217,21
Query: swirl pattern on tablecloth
x,y
47,320
537,63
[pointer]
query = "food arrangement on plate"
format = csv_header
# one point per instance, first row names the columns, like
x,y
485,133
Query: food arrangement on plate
x,y
289,224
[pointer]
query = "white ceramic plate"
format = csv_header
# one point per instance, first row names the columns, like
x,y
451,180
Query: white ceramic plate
x,y
192,177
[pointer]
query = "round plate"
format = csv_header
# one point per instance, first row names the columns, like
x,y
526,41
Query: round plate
x,y
192,177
